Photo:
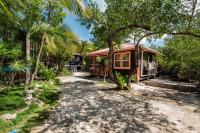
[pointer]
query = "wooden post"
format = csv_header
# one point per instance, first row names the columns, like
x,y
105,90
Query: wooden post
x,y
138,72
94,64
142,64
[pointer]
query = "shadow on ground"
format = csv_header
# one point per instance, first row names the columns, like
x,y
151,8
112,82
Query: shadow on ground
x,y
185,98
84,107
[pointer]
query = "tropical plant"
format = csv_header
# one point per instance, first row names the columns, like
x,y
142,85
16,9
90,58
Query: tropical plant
x,y
27,18
121,80
11,60
180,56
46,73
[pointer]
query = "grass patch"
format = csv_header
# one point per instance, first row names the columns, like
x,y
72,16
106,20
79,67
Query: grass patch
x,y
49,93
24,121
11,99
4,126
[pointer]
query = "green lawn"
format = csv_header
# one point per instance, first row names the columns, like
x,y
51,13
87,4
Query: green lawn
x,y
28,116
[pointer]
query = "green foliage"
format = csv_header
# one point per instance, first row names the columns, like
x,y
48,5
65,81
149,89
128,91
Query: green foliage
x,y
10,50
49,93
22,120
21,116
121,80
47,73
181,55
4,126
102,60
66,72
18,66
123,18
12,99
134,78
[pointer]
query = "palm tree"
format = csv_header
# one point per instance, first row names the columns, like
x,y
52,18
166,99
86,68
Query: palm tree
x,y
14,10
55,40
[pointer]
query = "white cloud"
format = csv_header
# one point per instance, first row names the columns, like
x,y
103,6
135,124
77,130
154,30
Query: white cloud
x,y
101,4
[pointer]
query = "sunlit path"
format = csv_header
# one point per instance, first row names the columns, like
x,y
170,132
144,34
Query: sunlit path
x,y
90,107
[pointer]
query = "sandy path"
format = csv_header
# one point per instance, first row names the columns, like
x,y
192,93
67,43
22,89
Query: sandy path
x,y
91,107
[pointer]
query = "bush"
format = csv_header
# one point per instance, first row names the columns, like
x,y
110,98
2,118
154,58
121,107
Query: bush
x,y
46,73
49,74
121,80
180,56
49,93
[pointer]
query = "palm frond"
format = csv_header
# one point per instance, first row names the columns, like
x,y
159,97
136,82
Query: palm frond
x,y
18,66
76,7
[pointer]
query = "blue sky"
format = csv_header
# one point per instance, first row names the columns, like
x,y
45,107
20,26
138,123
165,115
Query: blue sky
x,y
83,33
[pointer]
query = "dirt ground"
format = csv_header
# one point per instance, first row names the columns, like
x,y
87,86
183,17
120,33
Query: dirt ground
x,y
95,107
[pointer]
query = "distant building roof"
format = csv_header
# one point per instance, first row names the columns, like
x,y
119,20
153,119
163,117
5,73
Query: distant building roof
x,y
123,47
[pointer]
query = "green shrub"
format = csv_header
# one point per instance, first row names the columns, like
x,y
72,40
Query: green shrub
x,y
46,73
49,93
49,74
121,80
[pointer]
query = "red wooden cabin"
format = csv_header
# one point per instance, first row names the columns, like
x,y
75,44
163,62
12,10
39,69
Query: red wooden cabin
x,y
124,58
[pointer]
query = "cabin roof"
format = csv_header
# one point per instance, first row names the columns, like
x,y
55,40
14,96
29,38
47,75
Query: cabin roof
x,y
121,48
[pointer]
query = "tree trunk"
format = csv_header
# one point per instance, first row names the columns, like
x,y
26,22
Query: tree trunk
x,y
112,75
110,60
133,68
37,60
27,60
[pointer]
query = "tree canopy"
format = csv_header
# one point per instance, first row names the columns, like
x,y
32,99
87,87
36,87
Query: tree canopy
x,y
144,18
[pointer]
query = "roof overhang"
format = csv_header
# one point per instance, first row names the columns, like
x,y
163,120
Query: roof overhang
x,y
122,48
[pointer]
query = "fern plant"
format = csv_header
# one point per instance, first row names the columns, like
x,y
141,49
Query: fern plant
x,y
121,80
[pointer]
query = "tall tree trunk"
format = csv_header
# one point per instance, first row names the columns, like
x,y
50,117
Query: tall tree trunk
x,y
133,68
27,60
37,59
112,75
137,57
110,60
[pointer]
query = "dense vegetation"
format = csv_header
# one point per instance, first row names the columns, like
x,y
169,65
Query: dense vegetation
x,y
35,36
141,18
35,43
180,56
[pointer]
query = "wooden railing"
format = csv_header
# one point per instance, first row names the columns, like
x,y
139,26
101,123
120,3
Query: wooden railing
x,y
100,70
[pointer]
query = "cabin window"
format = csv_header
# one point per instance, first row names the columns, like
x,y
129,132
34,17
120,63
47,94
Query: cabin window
x,y
122,60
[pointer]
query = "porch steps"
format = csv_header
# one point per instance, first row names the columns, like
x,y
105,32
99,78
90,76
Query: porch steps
x,y
177,85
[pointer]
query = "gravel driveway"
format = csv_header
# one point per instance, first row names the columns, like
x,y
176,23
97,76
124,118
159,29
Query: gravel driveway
x,y
89,107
